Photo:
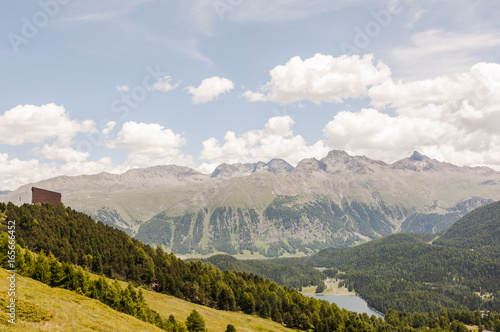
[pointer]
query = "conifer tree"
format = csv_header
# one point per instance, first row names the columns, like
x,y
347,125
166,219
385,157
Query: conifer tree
x,y
230,328
195,322
97,264
42,269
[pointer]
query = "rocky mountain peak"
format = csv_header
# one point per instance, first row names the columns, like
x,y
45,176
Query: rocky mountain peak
x,y
341,161
279,166
276,166
416,156
337,154
417,162
310,165
229,170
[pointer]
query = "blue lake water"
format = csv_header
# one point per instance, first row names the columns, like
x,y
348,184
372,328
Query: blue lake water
x,y
349,302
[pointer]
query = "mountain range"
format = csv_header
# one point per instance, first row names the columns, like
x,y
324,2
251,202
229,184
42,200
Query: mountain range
x,y
274,208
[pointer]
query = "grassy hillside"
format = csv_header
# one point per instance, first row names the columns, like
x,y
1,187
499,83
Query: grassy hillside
x,y
216,320
42,308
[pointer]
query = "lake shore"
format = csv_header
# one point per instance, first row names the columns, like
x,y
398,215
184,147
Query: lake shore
x,y
332,288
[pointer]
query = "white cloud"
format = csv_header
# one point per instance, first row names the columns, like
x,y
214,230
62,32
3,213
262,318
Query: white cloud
x,y
35,124
150,144
38,124
209,89
479,88
276,140
452,119
322,78
164,84
62,153
53,132
109,127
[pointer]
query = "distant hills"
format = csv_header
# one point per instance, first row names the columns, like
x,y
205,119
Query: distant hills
x,y
460,269
478,230
275,209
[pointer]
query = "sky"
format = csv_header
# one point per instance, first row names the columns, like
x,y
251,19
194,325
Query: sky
x,y
91,86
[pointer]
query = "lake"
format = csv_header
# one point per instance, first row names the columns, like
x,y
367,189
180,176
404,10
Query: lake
x,y
349,302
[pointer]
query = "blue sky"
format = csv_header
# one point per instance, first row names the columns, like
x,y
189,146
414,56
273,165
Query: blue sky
x,y
91,86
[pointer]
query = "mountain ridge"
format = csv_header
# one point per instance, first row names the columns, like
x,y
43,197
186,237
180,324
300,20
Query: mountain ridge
x,y
274,208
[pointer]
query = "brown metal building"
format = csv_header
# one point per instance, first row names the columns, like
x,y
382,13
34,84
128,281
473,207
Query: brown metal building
x,y
45,196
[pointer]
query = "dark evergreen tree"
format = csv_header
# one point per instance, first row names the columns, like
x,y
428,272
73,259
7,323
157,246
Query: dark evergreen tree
x,y
195,322
247,303
230,328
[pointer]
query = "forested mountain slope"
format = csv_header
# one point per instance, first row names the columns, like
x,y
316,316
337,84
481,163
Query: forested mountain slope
x,y
411,272
479,229
286,272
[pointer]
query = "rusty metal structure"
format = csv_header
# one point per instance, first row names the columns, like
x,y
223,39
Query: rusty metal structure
x,y
39,195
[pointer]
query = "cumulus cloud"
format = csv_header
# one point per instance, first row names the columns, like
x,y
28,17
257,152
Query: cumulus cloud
x,y
276,140
62,153
453,119
210,88
35,124
38,124
165,84
322,78
150,144
481,82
